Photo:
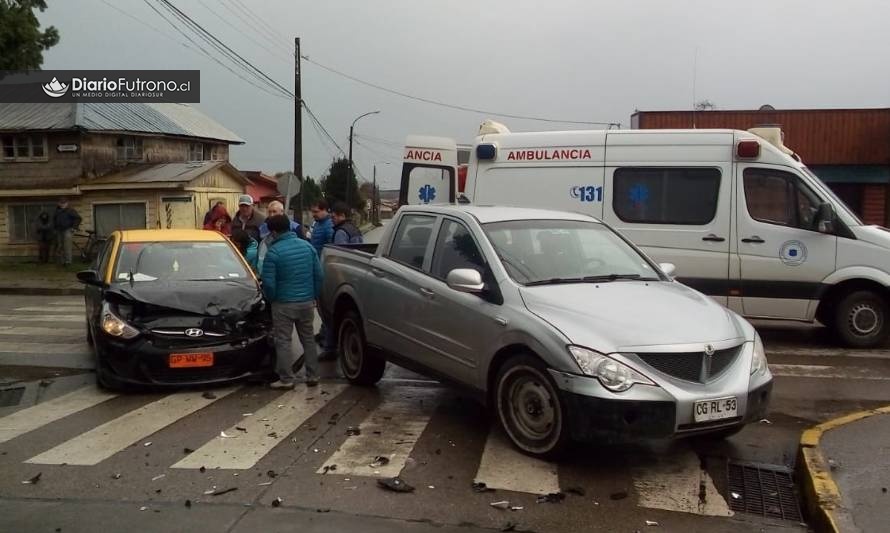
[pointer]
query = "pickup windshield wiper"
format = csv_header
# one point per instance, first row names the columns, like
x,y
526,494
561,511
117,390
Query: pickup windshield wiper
x,y
590,279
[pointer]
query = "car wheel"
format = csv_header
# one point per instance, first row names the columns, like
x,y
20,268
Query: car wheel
x,y
529,407
861,319
358,365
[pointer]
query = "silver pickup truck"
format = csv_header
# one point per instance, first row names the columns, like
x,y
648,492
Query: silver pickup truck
x,y
566,329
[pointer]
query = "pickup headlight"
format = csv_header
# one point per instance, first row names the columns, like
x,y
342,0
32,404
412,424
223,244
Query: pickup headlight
x,y
758,362
115,325
614,375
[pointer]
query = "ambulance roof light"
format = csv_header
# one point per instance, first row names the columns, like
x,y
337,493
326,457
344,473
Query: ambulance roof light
x,y
748,148
486,151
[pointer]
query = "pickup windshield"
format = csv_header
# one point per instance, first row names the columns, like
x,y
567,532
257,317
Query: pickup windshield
x,y
542,252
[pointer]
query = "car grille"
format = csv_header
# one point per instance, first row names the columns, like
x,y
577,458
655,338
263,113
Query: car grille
x,y
691,366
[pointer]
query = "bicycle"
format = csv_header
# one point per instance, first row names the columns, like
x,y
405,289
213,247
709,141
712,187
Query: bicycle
x,y
91,248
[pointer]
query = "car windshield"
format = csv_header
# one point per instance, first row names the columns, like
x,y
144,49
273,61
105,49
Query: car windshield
x,y
178,261
538,252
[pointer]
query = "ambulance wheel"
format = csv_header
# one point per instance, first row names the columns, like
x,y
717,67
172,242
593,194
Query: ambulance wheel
x,y
860,319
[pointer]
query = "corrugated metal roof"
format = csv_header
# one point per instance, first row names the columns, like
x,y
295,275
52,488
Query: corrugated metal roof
x,y
163,173
157,118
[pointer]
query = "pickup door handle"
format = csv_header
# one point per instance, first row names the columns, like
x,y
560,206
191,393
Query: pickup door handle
x,y
429,293
754,239
712,238
377,272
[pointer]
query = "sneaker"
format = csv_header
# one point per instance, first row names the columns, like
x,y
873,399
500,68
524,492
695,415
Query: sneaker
x,y
281,385
312,382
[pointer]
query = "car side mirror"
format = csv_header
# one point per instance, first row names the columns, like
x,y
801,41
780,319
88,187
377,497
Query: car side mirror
x,y
825,217
90,277
668,269
465,280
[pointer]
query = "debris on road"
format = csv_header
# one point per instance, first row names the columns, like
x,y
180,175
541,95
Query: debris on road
x,y
503,504
239,428
143,508
577,491
271,474
352,431
620,495
379,461
223,491
223,435
33,480
735,495
147,444
187,451
246,414
188,503
273,435
328,468
208,395
116,475
395,484
202,469
479,486
277,502
553,497
264,484
765,421
431,486
651,523
159,476
517,508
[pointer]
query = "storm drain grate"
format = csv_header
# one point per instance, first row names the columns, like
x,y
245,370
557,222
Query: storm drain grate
x,y
764,490
11,397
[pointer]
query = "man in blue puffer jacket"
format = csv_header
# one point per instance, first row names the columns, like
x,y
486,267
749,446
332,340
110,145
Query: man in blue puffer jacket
x,y
292,281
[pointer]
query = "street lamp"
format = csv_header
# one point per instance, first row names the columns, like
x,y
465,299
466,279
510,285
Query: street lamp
x,y
349,171
375,200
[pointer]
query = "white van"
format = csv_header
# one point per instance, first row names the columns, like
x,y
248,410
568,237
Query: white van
x,y
738,214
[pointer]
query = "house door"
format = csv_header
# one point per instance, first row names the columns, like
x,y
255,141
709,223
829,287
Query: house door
x,y
178,213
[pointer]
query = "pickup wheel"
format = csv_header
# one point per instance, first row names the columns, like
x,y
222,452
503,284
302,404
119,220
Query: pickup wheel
x,y
529,407
861,319
358,365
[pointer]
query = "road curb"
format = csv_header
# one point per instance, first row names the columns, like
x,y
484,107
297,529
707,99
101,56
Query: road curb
x,y
41,291
822,497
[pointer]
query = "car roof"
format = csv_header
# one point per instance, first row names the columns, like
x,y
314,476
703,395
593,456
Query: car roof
x,y
171,235
488,213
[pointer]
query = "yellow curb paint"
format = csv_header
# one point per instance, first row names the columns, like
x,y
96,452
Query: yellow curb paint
x,y
823,498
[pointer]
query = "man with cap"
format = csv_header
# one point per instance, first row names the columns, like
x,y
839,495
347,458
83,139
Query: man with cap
x,y
248,218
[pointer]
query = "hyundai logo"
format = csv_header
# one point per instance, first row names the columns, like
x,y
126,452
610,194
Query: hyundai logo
x,y
709,350
194,332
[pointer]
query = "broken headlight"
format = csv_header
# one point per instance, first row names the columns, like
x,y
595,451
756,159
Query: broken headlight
x,y
115,325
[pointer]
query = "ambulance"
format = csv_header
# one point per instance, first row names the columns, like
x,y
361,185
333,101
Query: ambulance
x,y
736,213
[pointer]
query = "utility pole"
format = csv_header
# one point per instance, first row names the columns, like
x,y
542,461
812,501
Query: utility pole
x,y
298,131
349,172
374,197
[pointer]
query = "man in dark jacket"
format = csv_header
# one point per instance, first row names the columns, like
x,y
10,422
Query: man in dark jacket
x,y
65,221
45,233
292,280
248,217
345,232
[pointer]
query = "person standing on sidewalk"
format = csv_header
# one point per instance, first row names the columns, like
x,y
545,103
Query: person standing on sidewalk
x,y
248,218
65,221
44,236
292,280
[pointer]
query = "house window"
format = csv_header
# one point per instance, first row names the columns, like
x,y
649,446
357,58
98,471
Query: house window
x,y
23,221
24,147
111,217
196,152
129,149
670,195
214,152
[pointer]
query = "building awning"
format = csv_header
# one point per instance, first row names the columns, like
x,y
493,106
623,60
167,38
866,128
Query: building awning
x,y
852,173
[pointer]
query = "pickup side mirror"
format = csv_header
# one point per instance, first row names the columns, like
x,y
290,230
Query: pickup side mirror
x,y
465,280
90,277
668,269
825,219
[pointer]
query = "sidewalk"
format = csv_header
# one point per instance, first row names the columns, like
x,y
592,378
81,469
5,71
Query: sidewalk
x,y
40,279
846,464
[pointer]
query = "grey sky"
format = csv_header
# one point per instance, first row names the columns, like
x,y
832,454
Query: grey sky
x,y
566,59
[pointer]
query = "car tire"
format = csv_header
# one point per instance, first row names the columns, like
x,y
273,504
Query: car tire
x,y
357,363
860,319
529,407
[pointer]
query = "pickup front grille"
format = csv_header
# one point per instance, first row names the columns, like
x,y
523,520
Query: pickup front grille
x,y
692,366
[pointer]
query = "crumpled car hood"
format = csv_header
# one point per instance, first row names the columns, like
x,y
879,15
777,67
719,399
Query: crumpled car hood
x,y
210,298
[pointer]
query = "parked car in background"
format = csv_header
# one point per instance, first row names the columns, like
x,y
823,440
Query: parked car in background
x,y
174,307
566,329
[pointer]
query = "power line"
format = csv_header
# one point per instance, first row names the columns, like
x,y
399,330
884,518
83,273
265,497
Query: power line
x,y
262,24
277,53
381,141
388,157
453,106
315,119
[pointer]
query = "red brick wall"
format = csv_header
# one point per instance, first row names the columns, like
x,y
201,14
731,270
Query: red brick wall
x,y
874,203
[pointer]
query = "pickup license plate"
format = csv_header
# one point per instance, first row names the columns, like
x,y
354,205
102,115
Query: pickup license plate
x,y
717,409
189,360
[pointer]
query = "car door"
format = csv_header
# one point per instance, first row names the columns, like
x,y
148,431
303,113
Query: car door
x,y
783,258
396,289
679,215
458,327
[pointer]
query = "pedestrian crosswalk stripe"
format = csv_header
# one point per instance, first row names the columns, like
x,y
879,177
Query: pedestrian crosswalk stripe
x,y
390,431
42,318
38,332
678,483
263,430
43,348
55,309
31,418
78,301
503,467
102,442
